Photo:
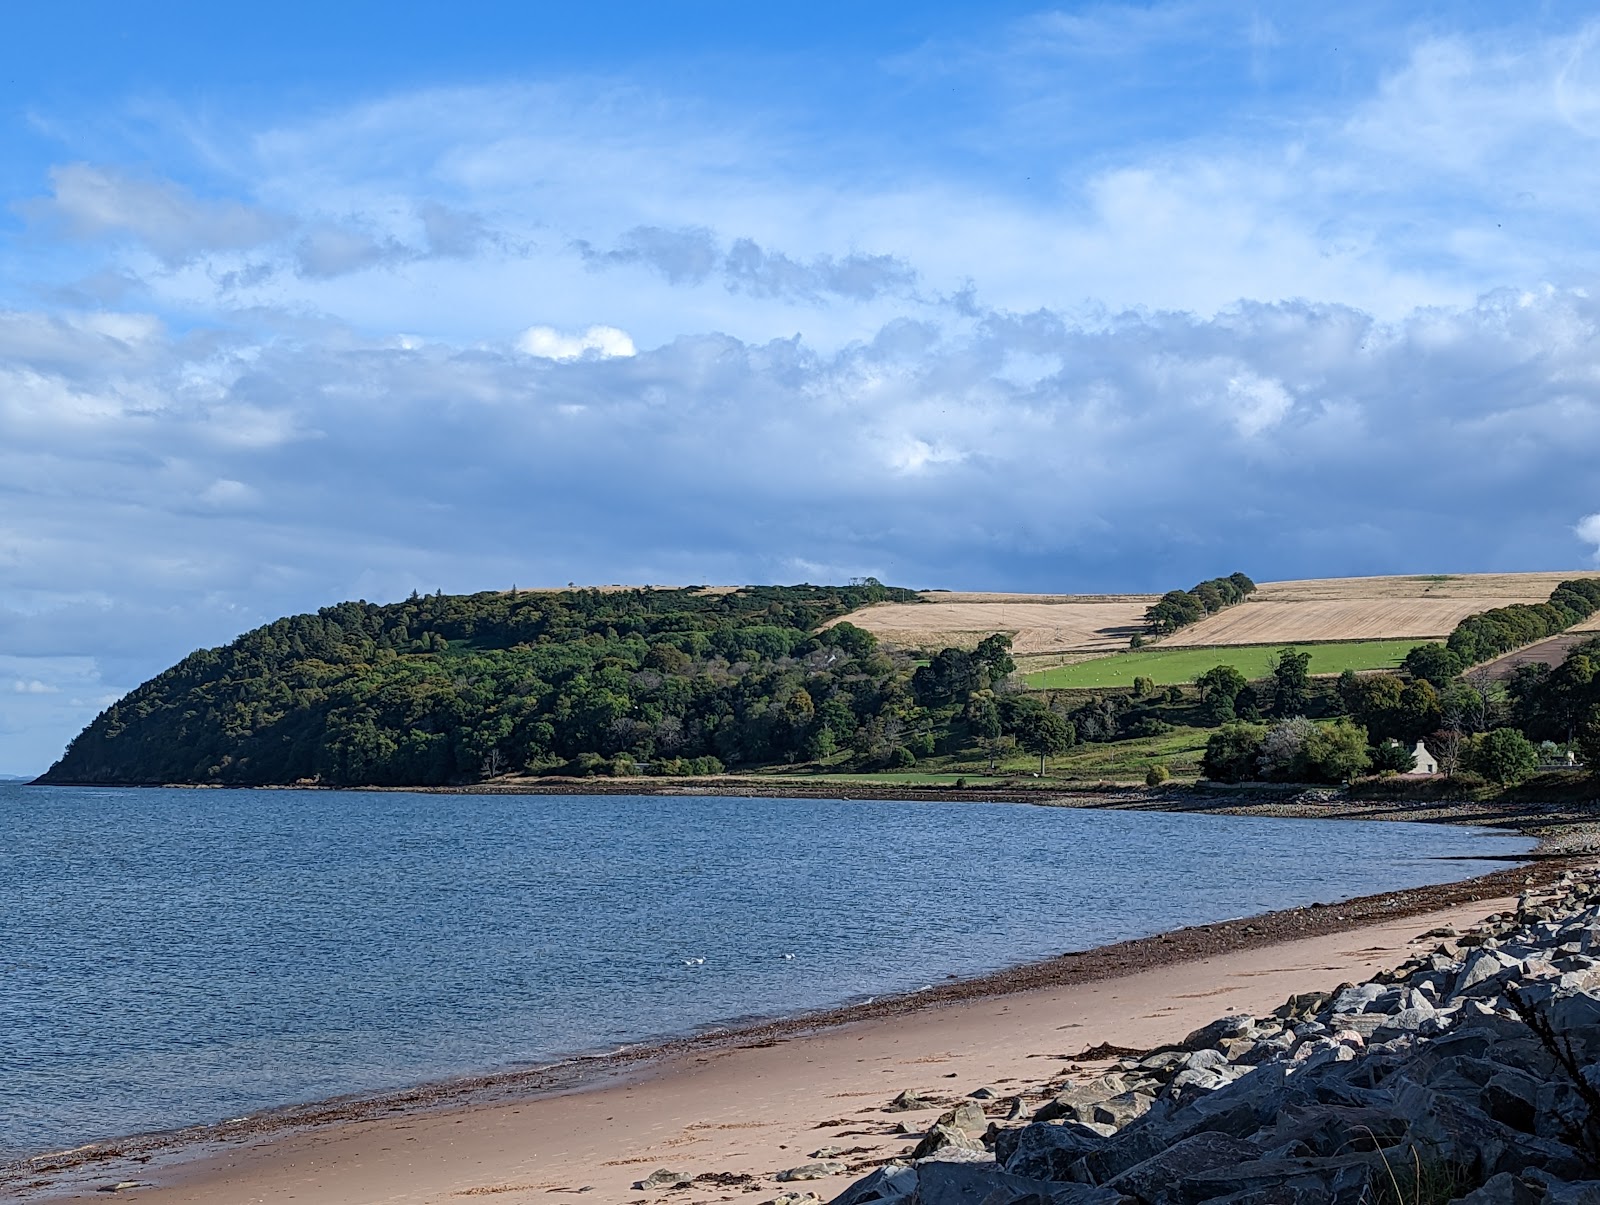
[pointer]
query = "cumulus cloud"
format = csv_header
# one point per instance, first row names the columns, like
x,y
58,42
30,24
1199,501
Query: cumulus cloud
x,y
603,342
33,687
1588,530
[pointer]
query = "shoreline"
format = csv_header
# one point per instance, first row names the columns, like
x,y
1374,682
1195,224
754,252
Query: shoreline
x,y
52,1174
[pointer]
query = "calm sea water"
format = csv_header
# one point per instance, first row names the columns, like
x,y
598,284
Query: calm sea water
x,y
170,957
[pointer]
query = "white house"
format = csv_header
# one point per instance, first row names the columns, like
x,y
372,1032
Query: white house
x,y
1426,762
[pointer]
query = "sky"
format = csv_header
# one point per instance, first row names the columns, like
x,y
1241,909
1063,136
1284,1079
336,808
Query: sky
x,y
307,303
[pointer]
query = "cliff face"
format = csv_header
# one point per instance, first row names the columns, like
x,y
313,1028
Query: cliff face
x,y
447,689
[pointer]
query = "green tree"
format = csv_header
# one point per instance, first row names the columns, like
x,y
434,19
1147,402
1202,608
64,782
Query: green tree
x,y
1391,757
1143,687
1045,733
993,655
1337,752
1233,753
1291,682
1432,663
1504,756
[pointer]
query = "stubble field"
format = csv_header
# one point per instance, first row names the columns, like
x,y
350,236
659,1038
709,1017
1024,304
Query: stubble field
x,y
1310,611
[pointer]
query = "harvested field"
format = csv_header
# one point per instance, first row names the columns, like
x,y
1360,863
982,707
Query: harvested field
x,y
1423,607
1364,608
1037,623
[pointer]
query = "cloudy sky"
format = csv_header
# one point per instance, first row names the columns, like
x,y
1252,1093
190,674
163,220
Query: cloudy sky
x,y
344,300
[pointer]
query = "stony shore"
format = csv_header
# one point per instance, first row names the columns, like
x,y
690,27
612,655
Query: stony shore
x,y
1469,1073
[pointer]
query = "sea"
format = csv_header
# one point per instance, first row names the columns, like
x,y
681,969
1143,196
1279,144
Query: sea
x,y
172,957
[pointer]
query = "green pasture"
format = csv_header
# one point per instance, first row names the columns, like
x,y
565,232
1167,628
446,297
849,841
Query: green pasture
x,y
1176,667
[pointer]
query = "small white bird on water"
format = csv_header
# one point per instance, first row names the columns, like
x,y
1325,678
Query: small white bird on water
x,y
788,957
694,962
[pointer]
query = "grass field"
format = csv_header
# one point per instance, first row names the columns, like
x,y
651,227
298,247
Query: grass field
x,y
1179,750
1174,667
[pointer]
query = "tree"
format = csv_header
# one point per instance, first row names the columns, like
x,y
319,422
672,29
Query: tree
x,y
1391,757
1337,752
1588,743
1233,753
1219,689
1291,682
1042,731
1156,775
1504,756
1283,750
993,654
1432,663
1143,687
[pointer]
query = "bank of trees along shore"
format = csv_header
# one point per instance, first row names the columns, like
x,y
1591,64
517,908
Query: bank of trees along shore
x,y
1464,716
441,689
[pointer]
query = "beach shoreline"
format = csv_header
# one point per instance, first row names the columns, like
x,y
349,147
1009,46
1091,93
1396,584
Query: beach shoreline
x,y
91,1166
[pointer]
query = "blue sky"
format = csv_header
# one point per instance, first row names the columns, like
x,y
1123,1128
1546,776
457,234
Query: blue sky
x,y
344,300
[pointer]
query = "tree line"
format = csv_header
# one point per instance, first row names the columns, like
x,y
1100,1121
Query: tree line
x,y
1180,608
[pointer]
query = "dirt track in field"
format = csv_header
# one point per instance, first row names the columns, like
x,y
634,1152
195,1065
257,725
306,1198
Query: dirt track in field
x,y
1351,608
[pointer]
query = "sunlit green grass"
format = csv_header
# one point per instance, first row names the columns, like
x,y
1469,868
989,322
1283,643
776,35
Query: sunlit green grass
x,y
1174,667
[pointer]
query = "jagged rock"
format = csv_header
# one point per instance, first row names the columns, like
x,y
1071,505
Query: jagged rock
x,y
909,1101
1151,1179
827,1152
663,1178
1077,1102
943,1137
1121,1109
1484,973
1045,1151
893,1182
967,1116
983,1094
973,1184
812,1171
1235,1026
1341,1180
795,1198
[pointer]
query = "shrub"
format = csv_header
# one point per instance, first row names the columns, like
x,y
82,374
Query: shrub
x,y
1233,753
1156,775
1504,756
901,758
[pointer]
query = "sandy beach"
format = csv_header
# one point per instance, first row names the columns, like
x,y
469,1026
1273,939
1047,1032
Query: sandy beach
x,y
739,1113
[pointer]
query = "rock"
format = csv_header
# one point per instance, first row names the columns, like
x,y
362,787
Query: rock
x,y
943,1137
1045,1151
1235,1026
1201,1153
826,1152
1306,1004
795,1198
909,1101
982,1094
1341,1180
1483,973
122,1186
1121,1109
812,1171
1077,1102
967,1116
893,1182
1202,1081
975,1184
662,1178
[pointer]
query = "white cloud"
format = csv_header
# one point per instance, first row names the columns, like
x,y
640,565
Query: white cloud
x,y
93,202
33,687
1588,530
548,343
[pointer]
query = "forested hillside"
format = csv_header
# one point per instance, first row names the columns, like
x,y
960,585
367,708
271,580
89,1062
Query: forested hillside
x,y
441,689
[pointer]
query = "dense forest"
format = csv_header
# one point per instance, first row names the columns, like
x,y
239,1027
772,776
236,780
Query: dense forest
x,y
441,689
